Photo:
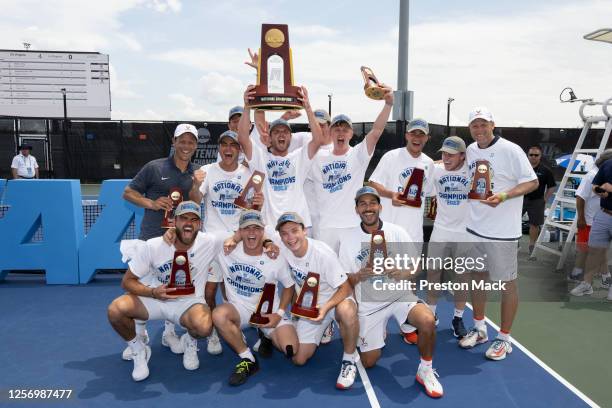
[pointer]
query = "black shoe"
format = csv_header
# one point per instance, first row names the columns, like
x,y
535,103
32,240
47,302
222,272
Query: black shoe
x,y
436,319
265,346
459,329
243,370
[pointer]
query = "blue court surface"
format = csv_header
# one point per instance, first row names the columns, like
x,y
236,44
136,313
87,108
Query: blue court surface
x,y
57,337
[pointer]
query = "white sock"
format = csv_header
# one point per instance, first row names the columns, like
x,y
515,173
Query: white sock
x,y
136,344
168,326
426,363
503,336
458,313
349,357
247,354
480,325
141,327
606,275
577,271
433,308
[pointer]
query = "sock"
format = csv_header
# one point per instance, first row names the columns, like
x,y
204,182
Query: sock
x,y
349,357
433,308
141,327
605,275
168,326
576,271
247,354
135,344
458,313
502,335
480,324
426,362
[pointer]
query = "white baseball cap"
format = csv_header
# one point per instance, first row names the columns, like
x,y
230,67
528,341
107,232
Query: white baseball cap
x,y
186,128
480,112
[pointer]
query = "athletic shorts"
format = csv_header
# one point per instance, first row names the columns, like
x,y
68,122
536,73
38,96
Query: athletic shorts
x,y
310,332
448,244
582,238
372,327
170,310
500,258
535,210
245,316
601,230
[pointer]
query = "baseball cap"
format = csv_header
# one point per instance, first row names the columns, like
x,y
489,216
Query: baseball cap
x,y
236,110
480,112
250,217
229,133
187,207
341,118
418,124
366,190
322,116
289,217
279,122
186,128
453,145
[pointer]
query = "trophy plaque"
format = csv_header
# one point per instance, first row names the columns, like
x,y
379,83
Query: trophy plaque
x,y
481,183
411,195
266,301
176,196
275,89
180,278
254,185
306,303
372,87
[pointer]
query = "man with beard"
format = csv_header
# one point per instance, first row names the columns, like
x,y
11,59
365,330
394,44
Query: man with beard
x,y
375,309
245,271
285,172
151,261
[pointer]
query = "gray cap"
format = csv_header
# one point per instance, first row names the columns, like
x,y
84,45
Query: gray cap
x,y
236,110
453,145
229,133
341,118
322,116
187,207
418,124
366,190
279,122
250,217
289,217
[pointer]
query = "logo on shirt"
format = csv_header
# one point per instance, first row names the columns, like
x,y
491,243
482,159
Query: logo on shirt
x,y
335,175
223,195
246,279
298,275
453,189
281,173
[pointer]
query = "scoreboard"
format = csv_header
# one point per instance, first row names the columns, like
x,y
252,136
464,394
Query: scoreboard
x,y
31,84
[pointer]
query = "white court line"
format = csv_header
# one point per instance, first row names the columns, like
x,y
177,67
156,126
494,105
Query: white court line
x,y
367,385
542,364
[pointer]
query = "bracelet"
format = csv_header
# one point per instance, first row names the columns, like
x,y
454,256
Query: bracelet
x,y
280,312
503,195
153,293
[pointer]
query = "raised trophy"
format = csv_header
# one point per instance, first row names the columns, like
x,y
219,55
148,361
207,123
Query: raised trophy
x,y
266,301
411,195
275,89
481,182
372,87
306,303
176,195
180,277
254,185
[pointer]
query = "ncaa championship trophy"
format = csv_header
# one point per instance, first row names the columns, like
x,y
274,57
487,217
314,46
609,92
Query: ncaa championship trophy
x,y
266,301
378,248
254,185
481,182
176,196
411,195
180,278
306,303
275,89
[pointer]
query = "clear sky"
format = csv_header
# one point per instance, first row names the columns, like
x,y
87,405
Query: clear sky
x,y
184,60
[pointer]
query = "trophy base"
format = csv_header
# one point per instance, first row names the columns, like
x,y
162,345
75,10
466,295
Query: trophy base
x,y
307,312
245,205
285,101
412,203
183,290
258,320
374,92
477,196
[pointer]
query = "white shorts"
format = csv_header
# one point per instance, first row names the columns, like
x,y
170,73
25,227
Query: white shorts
x,y
310,332
170,310
333,236
245,316
372,327
215,274
448,244
500,258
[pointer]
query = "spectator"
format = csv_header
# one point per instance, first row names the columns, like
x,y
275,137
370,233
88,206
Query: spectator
x,y
24,165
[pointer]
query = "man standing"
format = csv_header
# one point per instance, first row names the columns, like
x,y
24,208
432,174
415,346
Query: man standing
x,y
534,203
24,165
374,310
151,261
494,224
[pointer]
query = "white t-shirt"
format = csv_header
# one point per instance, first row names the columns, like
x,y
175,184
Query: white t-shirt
x,y
336,180
452,188
591,200
320,259
151,260
245,275
393,171
26,166
220,188
284,183
509,166
355,253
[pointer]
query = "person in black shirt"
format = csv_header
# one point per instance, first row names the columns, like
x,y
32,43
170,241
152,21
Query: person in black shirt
x,y
534,203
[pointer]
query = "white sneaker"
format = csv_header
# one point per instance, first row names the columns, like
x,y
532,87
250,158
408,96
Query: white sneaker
x,y
609,297
473,338
127,354
499,349
348,372
141,368
427,377
190,355
606,280
328,333
170,339
214,344
583,288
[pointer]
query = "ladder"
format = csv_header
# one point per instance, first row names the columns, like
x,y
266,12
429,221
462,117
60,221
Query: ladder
x,y
564,200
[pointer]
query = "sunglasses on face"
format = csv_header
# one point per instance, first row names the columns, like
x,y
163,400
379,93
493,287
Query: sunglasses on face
x,y
534,155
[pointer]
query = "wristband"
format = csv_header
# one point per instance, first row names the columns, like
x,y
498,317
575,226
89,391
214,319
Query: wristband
x,y
280,312
503,195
